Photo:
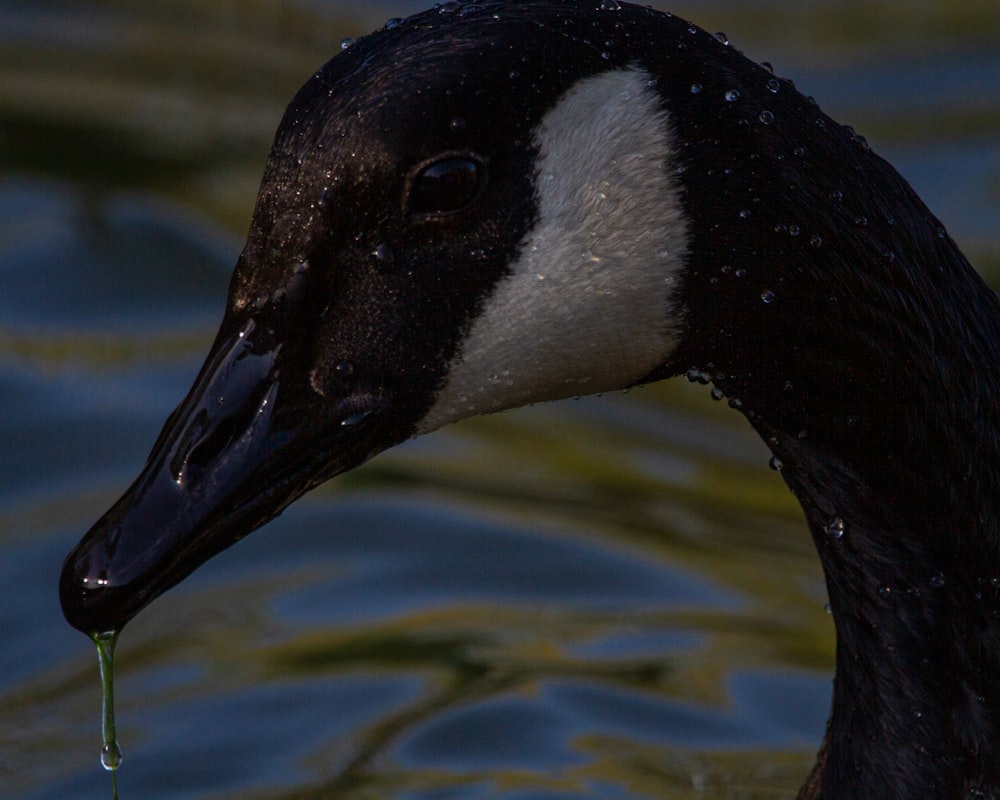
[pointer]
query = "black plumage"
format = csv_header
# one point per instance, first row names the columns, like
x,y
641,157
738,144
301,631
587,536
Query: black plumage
x,y
818,293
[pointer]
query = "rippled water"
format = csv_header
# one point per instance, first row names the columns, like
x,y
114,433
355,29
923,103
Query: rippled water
x,y
613,597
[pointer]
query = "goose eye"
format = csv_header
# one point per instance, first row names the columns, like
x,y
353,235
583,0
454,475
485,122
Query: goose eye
x,y
445,186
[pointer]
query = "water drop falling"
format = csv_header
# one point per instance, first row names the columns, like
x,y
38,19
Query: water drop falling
x,y
111,756
111,753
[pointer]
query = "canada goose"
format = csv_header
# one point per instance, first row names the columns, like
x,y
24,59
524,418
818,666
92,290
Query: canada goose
x,y
493,204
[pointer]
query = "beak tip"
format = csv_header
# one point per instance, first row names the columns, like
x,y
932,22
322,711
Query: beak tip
x,y
73,597
89,602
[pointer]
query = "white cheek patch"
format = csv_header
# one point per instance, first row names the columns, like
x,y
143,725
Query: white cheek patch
x,y
590,305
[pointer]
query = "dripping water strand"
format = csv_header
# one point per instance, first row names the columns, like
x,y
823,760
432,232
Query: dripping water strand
x,y
111,753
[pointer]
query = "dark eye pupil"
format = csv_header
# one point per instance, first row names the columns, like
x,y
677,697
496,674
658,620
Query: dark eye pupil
x,y
445,187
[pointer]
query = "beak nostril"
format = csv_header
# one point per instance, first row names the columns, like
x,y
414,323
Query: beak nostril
x,y
189,463
208,442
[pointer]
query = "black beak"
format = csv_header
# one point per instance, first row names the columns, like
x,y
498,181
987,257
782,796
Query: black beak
x,y
251,436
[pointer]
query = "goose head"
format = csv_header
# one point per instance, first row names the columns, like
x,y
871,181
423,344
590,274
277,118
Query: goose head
x,y
495,204
448,225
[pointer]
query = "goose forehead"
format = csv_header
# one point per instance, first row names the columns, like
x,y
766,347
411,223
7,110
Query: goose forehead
x,y
591,303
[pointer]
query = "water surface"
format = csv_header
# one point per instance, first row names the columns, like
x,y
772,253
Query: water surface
x,y
613,597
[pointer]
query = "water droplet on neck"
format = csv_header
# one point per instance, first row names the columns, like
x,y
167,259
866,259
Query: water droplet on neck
x,y
937,581
356,418
346,42
835,528
766,117
695,375
773,85
767,296
384,256
732,95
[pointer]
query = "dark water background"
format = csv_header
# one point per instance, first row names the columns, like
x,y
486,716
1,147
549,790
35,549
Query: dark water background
x,y
611,597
